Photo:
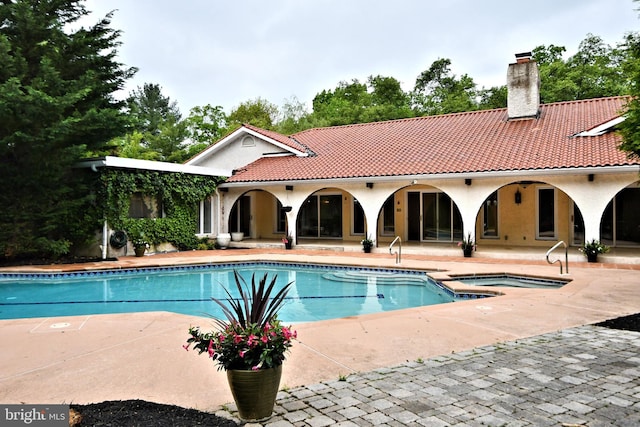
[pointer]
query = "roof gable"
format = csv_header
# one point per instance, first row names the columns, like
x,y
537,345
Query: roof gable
x,y
282,145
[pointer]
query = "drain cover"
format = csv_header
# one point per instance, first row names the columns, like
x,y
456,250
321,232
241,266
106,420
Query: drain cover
x,y
60,325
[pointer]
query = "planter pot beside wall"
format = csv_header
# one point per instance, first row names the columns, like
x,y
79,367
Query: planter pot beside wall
x,y
223,240
237,236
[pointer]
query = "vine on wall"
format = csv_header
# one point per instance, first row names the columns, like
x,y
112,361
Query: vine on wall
x,y
180,194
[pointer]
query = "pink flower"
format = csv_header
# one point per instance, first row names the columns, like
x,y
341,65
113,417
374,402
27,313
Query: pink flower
x,y
237,339
286,332
242,353
254,368
264,339
211,350
186,347
251,340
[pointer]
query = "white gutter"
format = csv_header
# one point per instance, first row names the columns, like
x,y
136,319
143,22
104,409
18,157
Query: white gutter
x,y
521,173
122,162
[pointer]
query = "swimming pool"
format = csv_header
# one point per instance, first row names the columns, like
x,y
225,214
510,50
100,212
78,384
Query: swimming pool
x,y
319,292
511,281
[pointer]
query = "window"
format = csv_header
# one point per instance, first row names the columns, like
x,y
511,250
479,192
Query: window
x,y
240,216
546,214
357,218
205,217
321,216
143,206
490,216
441,218
388,217
620,224
281,218
248,141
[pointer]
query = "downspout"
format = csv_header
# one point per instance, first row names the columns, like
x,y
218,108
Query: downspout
x,y
105,230
218,212
105,226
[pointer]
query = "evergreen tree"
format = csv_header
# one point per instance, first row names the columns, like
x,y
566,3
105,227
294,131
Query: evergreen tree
x,y
56,103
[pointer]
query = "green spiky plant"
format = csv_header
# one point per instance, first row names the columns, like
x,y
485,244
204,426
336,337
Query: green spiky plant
x,y
251,337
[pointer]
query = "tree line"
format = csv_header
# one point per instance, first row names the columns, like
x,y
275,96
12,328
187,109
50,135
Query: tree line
x,y
57,106
157,131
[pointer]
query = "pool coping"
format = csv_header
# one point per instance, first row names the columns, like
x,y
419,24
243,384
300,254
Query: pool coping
x,y
116,357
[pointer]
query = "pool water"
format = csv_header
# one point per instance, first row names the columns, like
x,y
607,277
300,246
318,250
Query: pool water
x,y
317,293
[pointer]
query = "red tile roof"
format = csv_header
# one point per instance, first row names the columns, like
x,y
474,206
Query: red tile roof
x,y
479,141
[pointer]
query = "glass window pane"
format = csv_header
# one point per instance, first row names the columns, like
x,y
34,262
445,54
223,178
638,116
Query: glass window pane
x,y
207,215
308,223
490,216
429,216
281,226
444,217
331,216
358,218
388,217
627,218
546,213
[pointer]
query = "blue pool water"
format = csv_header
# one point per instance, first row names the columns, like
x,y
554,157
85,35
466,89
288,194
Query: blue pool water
x,y
317,293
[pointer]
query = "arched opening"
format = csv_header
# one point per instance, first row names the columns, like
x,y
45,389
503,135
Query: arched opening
x,y
258,214
529,213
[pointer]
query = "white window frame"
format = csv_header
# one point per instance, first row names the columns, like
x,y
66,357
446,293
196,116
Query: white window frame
x,y
201,208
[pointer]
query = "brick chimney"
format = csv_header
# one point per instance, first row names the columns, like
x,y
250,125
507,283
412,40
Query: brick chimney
x,y
523,88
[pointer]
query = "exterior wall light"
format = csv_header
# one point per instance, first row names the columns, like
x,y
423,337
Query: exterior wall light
x,y
369,184
518,197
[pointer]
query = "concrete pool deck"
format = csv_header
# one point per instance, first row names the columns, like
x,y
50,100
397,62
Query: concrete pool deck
x,y
84,359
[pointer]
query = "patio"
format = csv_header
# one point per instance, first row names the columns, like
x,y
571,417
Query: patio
x,y
139,356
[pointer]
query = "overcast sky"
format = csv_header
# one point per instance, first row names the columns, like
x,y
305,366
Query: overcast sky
x,y
224,52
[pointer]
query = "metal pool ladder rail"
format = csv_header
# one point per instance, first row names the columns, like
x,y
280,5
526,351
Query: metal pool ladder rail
x,y
399,251
566,256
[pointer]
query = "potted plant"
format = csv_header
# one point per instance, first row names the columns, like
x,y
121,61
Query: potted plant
x,y
139,242
250,344
367,244
467,246
287,240
592,249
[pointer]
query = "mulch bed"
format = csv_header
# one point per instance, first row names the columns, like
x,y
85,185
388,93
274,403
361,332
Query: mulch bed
x,y
139,413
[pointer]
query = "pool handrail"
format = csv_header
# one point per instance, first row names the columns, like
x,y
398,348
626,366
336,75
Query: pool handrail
x,y
566,256
399,251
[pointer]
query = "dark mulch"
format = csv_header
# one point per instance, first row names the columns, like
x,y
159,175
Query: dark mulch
x,y
627,323
139,413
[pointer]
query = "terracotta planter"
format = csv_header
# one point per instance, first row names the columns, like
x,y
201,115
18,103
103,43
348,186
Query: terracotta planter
x,y
255,391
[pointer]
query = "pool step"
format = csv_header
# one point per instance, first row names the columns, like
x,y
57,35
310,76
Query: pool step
x,y
381,278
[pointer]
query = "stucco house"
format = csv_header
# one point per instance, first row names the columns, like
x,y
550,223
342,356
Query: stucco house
x,y
528,175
